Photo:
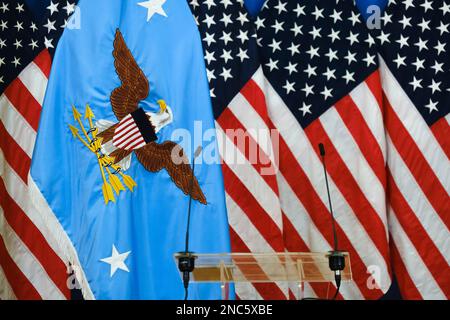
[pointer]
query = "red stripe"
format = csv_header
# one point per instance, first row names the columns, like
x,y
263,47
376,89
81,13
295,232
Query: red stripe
x,y
250,206
347,185
253,153
24,102
441,131
34,240
21,286
373,82
255,96
294,243
408,289
14,155
124,125
417,164
301,185
363,136
268,291
416,232
134,141
44,62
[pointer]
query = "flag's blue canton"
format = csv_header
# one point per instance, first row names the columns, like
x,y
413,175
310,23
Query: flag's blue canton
x,y
314,52
229,46
414,41
22,37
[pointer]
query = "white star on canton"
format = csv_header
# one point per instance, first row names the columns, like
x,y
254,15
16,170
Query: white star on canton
x,y
243,55
275,45
226,37
242,18
20,8
313,52
443,28
226,55
4,25
226,3
437,67
33,44
326,93
440,47
400,61
350,57
209,38
209,3
291,67
369,59
116,261
318,13
16,62
432,106
33,27
406,22
297,29
403,41
226,74
419,64
332,54
226,19
300,10
315,33
2,43
294,49
4,7
427,5
308,89
53,8
278,26
2,61
18,44
209,56
210,74
424,25
416,83
281,7
353,38
243,36
48,43
306,108
435,86
336,16
209,20
70,8
272,64
445,8
50,25
259,23
422,44
1,80
154,7
329,74
19,26
408,4
289,87
334,35
354,18
311,71
348,76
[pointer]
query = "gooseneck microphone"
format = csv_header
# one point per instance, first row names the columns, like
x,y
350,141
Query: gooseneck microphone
x,y
336,258
186,259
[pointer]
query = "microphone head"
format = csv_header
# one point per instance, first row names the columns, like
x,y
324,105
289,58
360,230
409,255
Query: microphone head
x,y
198,151
322,149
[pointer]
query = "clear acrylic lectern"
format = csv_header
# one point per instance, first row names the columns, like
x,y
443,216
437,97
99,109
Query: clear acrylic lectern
x,y
289,267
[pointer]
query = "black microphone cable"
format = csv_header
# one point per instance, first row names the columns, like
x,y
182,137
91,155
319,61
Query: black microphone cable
x,y
336,258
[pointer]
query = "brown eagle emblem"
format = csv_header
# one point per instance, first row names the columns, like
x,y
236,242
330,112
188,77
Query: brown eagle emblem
x,y
136,130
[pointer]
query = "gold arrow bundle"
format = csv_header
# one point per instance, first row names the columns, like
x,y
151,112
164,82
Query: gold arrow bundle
x,y
110,172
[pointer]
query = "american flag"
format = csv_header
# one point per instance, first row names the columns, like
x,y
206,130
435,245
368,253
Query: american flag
x,y
318,84
414,65
31,264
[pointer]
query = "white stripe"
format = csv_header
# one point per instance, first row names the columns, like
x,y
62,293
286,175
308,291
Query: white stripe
x,y
6,292
127,121
35,81
125,138
355,162
305,227
417,270
135,144
416,126
367,104
19,129
424,211
250,178
303,151
27,263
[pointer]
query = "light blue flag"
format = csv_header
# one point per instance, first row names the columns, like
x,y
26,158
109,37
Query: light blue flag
x,y
125,240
